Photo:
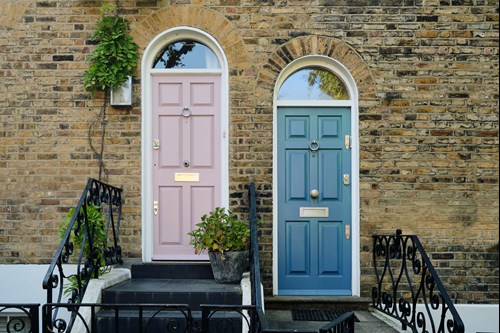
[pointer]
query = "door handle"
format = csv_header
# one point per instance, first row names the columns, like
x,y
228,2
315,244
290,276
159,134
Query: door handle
x,y
347,231
155,208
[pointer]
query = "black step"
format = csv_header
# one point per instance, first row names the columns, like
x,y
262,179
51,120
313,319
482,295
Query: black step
x,y
154,321
176,270
173,291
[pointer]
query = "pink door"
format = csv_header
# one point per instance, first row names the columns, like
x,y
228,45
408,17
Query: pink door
x,y
186,160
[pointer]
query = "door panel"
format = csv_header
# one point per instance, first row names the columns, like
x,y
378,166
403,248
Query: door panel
x,y
298,248
186,162
314,256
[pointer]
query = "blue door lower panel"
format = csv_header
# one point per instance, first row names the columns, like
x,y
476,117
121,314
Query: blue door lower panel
x,y
314,256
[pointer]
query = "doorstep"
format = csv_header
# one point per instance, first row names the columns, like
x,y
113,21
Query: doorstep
x,y
319,302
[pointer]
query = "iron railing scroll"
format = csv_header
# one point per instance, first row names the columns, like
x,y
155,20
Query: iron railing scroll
x,y
409,288
90,259
22,318
117,318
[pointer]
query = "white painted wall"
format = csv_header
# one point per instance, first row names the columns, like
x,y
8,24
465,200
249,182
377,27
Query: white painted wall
x,y
23,284
477,318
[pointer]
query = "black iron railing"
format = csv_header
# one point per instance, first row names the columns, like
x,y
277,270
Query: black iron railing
x,y
257,293
116,318
341,324
22,317
146,318
92,256
409,288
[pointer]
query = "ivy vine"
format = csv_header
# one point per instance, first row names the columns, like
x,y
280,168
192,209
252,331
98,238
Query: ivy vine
x,y
112,61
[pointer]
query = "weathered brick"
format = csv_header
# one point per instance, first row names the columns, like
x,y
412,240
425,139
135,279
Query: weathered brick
x,y
427,77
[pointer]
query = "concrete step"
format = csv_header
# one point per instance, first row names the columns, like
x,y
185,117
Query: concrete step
x,y
164,321
191,284
350,303
175,270
192,292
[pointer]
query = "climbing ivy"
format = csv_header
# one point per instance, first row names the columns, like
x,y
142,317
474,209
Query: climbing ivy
x,y
115,55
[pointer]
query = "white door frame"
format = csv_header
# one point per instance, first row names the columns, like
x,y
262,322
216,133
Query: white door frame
x,y
335,67
155,46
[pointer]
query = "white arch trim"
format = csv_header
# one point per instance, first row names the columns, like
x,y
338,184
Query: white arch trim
x,y
338,69
154,47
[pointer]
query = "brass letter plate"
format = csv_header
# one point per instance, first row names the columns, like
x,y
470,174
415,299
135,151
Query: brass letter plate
x,y
187,177
314,212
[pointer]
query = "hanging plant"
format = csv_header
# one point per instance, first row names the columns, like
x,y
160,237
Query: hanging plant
x,y
111,63
115,55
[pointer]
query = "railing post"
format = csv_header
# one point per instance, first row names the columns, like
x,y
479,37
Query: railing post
x,y
205,320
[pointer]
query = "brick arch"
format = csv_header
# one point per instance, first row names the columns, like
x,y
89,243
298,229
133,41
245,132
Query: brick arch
x,y
201,18
315,45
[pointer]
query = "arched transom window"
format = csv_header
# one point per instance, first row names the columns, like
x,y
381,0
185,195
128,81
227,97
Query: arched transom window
x,y
186,54
313,83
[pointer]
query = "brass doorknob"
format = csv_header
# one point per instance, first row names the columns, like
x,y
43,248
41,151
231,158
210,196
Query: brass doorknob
x,y
314,194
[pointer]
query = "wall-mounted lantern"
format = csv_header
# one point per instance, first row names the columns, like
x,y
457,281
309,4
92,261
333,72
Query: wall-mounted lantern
x,y
122,96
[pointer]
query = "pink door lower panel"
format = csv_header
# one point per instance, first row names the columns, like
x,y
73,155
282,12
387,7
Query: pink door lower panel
x,y
186,160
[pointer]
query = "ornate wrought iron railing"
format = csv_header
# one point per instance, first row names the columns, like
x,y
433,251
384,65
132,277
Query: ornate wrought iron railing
x,y
92,256
409,288
118,318
22,318
147,318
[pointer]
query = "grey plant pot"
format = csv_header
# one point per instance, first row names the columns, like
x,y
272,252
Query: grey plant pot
x,y
230,267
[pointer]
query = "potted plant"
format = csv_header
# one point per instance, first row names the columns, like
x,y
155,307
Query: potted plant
x,y
226,239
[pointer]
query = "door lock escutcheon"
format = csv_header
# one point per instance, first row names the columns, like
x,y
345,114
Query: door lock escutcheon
x,y
156,144
347,232
346,178
347,141
155,207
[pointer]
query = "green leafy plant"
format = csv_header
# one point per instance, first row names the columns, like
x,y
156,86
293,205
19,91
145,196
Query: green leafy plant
x,y
111,63
97,229
115,55
221,231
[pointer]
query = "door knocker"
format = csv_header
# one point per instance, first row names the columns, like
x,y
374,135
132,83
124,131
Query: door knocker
x,y
314,145
186,112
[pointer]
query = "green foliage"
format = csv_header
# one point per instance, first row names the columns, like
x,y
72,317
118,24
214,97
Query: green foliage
x,y
220,231
329,84
98,232
115,55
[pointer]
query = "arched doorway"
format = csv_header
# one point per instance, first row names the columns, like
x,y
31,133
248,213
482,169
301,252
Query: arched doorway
x,y
316,214
184,139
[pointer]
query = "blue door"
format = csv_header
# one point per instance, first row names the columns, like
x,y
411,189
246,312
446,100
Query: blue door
x,y
314,205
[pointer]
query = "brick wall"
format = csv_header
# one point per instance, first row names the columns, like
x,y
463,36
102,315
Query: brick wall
x,y
427,72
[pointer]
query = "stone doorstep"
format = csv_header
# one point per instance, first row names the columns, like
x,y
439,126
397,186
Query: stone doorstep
x,y
319,302
368,322
117,275
94,292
